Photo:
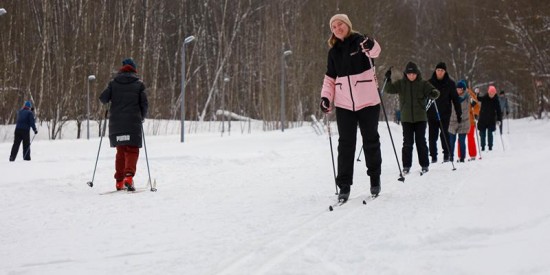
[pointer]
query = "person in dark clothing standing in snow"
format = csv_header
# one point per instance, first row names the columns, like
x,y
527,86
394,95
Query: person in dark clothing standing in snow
x,y
25,121
414,93
489,115
448,98
128,109
350,86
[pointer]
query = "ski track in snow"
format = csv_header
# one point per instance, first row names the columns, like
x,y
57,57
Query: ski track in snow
x,y
258,204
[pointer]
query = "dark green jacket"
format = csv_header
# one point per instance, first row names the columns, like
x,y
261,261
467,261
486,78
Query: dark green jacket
x,y
413,97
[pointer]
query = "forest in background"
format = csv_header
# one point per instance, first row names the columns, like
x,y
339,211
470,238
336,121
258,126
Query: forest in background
x,y
49,48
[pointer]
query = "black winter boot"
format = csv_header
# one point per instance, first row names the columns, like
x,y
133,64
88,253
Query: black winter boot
x,y
344,193
375,185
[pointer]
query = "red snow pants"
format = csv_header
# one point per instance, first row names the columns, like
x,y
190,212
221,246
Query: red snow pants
x,y
472,148
126,161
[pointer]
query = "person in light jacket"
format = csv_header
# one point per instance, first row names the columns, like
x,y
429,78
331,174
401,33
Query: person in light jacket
x,y
351,89
462,127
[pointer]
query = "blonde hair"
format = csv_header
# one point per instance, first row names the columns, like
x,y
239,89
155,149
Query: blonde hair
x,y
332,40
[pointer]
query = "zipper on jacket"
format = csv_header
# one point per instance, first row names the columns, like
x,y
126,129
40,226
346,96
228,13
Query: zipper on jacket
x,y
351,95
361,81
412,103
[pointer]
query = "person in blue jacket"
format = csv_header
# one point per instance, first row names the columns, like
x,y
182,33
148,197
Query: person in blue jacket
x,y
25,121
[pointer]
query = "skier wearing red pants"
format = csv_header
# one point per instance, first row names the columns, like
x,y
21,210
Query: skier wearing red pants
x,y
126,93
473,114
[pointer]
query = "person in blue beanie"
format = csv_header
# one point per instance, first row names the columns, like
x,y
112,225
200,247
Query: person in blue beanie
x,y
25,121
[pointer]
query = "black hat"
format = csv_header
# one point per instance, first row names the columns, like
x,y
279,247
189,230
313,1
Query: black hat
x,y
411,68
441,65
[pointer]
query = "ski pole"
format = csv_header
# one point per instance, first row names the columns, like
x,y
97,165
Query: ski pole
x,y
507,124
153,189
430,102
445,134
28,149
331,152
91,183
501,141
401,177
478,139
359,156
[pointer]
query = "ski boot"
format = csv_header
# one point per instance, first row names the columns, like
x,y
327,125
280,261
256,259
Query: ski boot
x,y
129,182
375,186
119,185
343,195
406,170
425,169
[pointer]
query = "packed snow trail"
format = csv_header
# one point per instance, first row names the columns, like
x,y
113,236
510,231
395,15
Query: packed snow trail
x,y
257,204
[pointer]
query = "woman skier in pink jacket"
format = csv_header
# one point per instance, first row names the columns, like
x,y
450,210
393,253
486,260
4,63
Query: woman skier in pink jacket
x,y
350,87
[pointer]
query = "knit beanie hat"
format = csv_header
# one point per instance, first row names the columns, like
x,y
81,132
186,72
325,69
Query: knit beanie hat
x,y
492,91
411,68
28,104
461,84
342,17
441,65
129,61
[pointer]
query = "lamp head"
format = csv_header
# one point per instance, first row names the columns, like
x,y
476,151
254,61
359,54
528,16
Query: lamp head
x,y
189,39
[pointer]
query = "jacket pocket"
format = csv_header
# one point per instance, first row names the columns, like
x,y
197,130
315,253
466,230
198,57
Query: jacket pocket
x,y
363,81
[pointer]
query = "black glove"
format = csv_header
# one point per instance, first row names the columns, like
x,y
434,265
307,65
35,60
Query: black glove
x,y
459,118
325,104
473,103
35,132
507,113
388,75
368,44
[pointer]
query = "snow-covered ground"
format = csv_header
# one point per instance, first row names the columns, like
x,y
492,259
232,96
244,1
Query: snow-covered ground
x,y
258,204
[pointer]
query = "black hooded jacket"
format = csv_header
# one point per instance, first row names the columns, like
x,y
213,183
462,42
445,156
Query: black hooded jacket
x,y
447,96
489,113
129,105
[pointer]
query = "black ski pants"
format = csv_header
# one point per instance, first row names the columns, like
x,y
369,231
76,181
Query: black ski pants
x,y
24,136
435,132
415,132
367,119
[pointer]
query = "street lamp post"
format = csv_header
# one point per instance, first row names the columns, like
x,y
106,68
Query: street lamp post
x,y
187,40
285,53
225,80
90,79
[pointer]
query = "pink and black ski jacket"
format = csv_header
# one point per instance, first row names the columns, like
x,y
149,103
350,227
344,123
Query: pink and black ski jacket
x,y
350,81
